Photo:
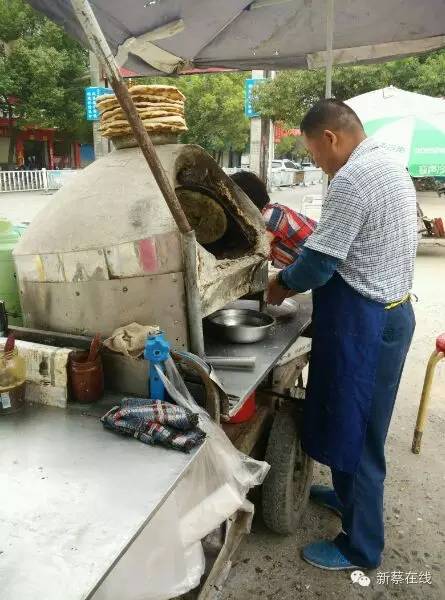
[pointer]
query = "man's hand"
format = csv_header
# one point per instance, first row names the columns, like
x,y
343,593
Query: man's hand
x,y
276,293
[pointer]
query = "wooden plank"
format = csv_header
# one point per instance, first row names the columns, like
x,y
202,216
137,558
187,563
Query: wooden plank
x,y
51,338
238,526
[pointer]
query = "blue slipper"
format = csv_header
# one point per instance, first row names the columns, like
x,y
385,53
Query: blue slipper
x,y
326,555
325,496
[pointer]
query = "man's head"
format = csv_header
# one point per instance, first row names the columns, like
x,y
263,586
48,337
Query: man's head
x,y
253,187
331,131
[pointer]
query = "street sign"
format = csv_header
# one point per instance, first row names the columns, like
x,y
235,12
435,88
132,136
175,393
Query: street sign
x,y
249,84
91,93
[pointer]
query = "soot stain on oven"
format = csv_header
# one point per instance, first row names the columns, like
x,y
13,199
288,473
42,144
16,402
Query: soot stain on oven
x,y
213,209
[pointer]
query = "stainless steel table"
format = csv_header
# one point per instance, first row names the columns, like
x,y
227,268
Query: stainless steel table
x,y
241,383
73,499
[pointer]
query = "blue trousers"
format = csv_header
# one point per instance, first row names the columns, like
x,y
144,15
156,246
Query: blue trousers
x,y
361,492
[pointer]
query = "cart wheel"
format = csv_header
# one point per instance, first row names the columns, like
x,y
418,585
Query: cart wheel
x,y
285,491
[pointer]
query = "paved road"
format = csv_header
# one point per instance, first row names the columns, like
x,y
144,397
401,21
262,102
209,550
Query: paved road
x,y
23,206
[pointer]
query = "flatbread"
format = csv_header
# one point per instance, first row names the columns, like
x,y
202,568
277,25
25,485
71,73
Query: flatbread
x,y
161,108
204,214
139,98
170,91
170,123
109,105
105,102
173,119
151,128
143,108
152,114
144,114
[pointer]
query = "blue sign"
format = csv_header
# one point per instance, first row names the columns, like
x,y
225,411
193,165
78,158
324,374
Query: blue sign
x,y
91,93
249,84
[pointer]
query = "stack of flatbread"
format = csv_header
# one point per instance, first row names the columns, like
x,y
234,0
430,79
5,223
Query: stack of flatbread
x,y
161,108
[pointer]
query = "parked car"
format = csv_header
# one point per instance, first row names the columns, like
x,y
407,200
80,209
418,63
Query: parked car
x,y
285,172
284,165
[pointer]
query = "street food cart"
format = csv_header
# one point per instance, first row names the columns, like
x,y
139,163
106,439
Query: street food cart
x,y
89,515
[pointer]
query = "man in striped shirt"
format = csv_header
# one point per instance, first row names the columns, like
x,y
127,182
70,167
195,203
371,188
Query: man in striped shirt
x,y
287,230
359,263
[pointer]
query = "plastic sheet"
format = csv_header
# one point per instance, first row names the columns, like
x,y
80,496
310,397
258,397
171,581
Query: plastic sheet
x,y
158,565
217,485
167,559
240,471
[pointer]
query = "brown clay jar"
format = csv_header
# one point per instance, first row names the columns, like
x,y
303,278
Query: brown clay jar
x,y
86,378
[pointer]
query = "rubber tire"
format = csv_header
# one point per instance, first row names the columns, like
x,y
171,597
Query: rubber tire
x,y
285,491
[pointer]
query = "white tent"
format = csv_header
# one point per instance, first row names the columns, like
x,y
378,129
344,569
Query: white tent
x,y
393,102
411,126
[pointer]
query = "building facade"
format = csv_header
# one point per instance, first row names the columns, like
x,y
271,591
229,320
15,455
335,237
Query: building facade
x,y
37,148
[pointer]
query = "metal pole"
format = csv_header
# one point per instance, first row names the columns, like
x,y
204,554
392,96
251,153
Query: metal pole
x,y
271,152
266,148
330,13
100,47
329,46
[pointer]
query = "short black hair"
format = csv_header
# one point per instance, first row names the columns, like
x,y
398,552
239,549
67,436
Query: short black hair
x,y
253,187
329,114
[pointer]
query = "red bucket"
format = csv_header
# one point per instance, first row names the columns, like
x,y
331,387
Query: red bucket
x,y
246,412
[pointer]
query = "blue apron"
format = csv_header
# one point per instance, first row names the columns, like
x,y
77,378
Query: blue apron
x,y
347,335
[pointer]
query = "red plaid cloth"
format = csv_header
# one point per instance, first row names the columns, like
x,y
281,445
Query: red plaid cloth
x,y
291,230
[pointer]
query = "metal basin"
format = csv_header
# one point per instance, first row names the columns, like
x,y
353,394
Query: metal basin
x,y
241,325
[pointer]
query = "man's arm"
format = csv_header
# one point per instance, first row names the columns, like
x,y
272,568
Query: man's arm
x,y
311,270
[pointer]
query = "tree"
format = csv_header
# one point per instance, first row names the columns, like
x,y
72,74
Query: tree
x,y
214,110
17,18
291,93
291,147
41,70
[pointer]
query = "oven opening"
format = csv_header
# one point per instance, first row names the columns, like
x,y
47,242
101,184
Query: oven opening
x,y
216,228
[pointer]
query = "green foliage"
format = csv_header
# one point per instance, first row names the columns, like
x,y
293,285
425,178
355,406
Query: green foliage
x,y
431,77
290,147
291,93
41,67
17,18
214,110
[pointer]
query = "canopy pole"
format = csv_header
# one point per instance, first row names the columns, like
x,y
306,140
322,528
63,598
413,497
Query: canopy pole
x,y
330,13
100,47
329,46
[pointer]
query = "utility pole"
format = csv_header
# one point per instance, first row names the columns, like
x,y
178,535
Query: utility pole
x,y
256,135
261,139
101,144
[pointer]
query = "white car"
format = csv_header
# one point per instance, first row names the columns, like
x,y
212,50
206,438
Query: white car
x,y
284,172
284,165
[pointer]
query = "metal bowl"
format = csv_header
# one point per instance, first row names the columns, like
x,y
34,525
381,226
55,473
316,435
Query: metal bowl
x,y
241,325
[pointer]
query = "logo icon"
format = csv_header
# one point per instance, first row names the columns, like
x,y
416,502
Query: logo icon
x,y
360,578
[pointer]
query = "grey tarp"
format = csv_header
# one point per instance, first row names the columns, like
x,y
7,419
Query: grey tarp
x,y
175,35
